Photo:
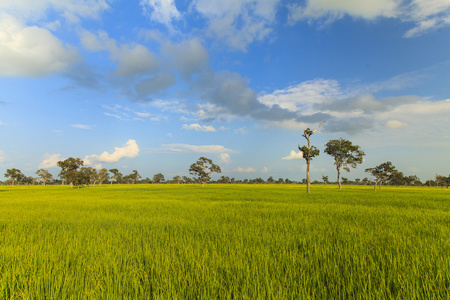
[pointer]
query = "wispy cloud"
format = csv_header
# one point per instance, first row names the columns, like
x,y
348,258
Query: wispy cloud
x,y
81,126
244,170
2,156
198,127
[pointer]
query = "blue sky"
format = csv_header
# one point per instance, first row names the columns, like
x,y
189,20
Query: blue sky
x,y
154,84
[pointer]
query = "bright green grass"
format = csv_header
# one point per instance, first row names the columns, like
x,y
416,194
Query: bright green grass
x,y
224,241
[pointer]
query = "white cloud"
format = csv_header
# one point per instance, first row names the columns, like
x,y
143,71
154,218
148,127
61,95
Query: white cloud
x,y
303,95
217,149
32,51
265,170
162,11
394,124
50,160
142,115
244,170
198,127
294,155
331,10
225,158
130,149
426,14
81,126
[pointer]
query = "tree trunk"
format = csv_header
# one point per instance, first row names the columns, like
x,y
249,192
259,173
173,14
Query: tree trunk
x,y
339,178
308,179
71,185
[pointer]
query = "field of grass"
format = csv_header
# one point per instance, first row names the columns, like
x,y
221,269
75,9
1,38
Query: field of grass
x,y
224,241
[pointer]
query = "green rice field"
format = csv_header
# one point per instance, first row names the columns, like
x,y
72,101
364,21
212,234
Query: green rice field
x,y
224,242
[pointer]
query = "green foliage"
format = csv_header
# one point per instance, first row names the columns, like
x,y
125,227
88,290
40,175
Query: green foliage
x,y
158,178
224,242
203,169
69,171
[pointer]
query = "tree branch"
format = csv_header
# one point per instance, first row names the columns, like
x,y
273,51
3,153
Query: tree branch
x,y
318,127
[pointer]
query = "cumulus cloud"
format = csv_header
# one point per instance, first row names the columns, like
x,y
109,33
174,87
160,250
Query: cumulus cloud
x,y
131,59
130,149
32,51
198,127
244,170
265,170
50,160
294,155
188,57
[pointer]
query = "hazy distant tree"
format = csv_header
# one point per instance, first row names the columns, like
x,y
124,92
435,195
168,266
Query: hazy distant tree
x,y
245,181
134,177
69,170
177,179
308,152
412,180
27,180
187,179
14,175
345,155
381,172
102,176
345,180
270,180
158,178
325,179
442,181
233,180
44,175
203,169
116,175
224,179
365,181
357,181
397,178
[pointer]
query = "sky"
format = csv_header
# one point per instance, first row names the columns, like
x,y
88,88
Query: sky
x,y
152,85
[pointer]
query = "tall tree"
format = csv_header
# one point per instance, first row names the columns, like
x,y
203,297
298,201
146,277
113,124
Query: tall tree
x,y
44,175
325,179
381,172
308,152
116,175
203,169
345,155
69,170
14,174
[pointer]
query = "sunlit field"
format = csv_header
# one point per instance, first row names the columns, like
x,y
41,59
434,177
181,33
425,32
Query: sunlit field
x,y
224,241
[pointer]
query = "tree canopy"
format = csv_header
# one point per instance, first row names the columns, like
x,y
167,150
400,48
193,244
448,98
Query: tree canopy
x,y
203,168
345,155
